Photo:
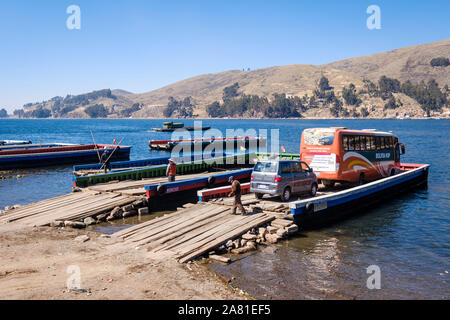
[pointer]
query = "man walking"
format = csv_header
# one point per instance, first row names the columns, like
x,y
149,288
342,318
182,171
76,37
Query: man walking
x,y
171,170
105,159
236,192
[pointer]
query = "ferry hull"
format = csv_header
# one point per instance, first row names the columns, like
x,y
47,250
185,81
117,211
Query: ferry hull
x,y
21,161
316,216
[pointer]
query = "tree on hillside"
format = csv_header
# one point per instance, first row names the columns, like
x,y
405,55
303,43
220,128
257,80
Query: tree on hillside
x,y
387,85
97,111
3,113
20,113
215,110
230,92
126,113
172,105
324,84
350,96
440,62
364,112
187,108
391,104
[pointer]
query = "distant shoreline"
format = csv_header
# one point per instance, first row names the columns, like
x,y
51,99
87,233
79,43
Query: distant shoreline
x,y
181,119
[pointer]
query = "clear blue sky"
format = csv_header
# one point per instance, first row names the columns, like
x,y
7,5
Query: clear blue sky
x,y
143,45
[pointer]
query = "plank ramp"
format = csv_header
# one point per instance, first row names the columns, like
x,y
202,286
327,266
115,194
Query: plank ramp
x,y
191,232
73,207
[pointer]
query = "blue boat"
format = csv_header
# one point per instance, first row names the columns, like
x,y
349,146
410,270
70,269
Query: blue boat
x,y
51,154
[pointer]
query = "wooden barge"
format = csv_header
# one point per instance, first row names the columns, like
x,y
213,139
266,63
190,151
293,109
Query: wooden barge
x,y
40,155
325,209
14,142
200,144
171,127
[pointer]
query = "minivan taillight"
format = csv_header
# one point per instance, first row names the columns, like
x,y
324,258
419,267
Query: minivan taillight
x,y
278,179
251,177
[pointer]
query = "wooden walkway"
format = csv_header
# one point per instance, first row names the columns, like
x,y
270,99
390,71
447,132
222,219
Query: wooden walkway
x,y
87,203
191,232
73,207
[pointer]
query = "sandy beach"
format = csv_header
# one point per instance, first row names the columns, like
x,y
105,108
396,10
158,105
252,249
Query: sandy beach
x,y
38,262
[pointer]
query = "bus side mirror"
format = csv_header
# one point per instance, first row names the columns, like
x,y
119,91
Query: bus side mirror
x,y
402,146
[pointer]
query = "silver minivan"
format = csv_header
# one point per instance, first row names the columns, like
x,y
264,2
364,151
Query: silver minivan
x,y
282,178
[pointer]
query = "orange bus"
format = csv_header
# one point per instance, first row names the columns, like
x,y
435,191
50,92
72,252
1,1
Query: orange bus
x,y
355,156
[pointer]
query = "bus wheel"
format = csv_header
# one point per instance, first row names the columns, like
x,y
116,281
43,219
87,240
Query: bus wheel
x,y
259,195
313,189
392,172
286,195
361,179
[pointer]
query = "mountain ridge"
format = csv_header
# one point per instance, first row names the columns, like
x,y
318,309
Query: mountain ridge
x,y
408,63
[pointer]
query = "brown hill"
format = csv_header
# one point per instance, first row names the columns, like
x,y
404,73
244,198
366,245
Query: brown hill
x,y
409,63
293,80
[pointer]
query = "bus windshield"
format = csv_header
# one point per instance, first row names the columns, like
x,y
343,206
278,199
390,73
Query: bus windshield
x,y
319,137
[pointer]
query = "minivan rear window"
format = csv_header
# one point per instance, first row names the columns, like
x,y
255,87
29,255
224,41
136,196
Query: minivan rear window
x,y
265,167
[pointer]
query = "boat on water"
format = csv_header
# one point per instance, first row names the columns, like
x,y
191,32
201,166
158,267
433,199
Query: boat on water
x,y
199,144
14,142
171,127
50,154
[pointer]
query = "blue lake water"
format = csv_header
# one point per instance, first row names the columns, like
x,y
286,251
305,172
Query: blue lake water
x,y
408,237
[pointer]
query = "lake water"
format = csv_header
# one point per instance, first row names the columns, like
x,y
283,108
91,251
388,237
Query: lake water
x,y
407,238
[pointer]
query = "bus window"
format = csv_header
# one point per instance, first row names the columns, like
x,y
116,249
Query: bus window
x,y
351,143
363,143
377,143
368,147
391,145
372,142
357,144
382,144
318,137
345,143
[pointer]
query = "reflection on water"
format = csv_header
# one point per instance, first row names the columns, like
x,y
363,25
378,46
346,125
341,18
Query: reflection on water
x,y
331,263
111,227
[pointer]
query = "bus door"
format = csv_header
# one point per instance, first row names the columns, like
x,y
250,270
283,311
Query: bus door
x,y
397,153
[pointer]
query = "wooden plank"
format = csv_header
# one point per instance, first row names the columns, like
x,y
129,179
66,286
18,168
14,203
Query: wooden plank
x,y
168,244
223,239
133,229
155,223
174,226
170,234
216,232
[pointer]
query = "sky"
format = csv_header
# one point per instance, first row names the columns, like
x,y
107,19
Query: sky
x,y
143,45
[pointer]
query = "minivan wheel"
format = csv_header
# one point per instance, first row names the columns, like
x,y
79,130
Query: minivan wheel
x,y
259,196
286,195
313,189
